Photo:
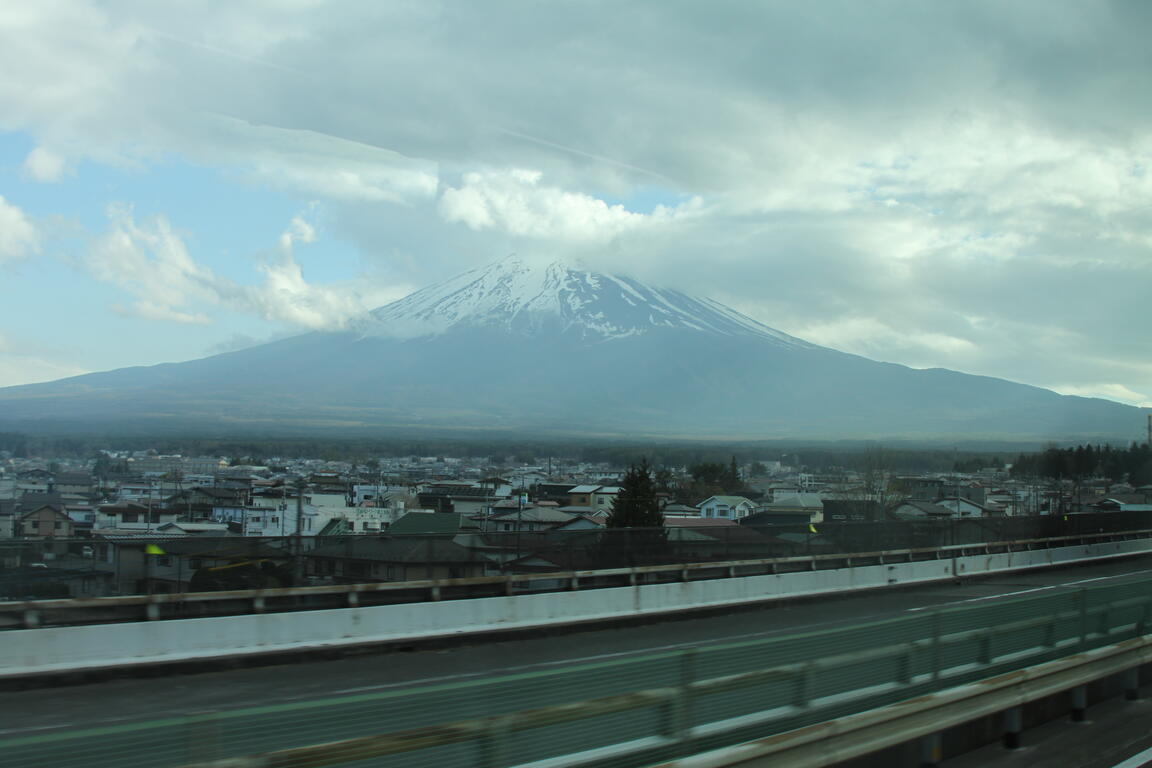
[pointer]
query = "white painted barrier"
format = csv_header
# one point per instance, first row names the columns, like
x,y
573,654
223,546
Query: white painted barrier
x,y
47,650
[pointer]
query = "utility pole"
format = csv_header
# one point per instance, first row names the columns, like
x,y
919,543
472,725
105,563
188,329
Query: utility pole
x,y
298,541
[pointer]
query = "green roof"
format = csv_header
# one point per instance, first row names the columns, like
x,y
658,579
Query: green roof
x,y
432,522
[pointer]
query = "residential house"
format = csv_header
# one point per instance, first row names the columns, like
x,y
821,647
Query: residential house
x,y
461,498
45,581
963,507
530,518
433,524
73,487
852,510
394,558
7,519
197,503
268,521
581,495
194,529
83,517
44,522
726,507
679,510
179,562
697,539
805,506
557,492
913,510
131,515
1128,502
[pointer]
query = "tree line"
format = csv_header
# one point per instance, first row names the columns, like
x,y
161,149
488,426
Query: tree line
x,y
1132,464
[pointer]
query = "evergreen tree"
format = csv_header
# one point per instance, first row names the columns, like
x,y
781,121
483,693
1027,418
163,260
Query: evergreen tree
x,y
732,481
636,505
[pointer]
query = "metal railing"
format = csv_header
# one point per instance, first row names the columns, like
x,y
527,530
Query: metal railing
x,y
116,565
103,610
640,709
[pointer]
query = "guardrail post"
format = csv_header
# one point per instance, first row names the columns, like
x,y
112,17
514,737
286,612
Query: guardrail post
x,y
492,744
931,750
905,664
574,582
152,611
1132,684
31,619
1079,703
985,656
353,599
1013,724
1083,618
684,706
801,693
937,648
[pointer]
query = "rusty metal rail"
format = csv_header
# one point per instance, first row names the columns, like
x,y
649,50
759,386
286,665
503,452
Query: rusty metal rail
x,y
102,610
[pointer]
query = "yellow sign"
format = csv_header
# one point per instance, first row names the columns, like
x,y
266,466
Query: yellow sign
x,y
152,549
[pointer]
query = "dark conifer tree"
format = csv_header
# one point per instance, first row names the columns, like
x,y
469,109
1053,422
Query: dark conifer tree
x,y
636,505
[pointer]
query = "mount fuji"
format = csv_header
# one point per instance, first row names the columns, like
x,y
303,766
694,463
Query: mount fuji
x,y
515,346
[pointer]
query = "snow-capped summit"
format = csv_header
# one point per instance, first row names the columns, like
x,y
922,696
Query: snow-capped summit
x,y
529,299
560,350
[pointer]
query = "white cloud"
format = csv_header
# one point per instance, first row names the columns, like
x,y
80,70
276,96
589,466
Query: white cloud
x,y
516,202
871,337
150,261
315,163
938,185
43,165
300,230
18,235
1109,391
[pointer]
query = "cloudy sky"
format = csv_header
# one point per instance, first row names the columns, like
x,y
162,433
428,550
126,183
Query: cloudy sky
x,y
964,184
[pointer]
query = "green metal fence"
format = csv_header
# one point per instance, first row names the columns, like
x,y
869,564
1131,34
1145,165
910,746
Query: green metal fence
x,y
635,710
159,564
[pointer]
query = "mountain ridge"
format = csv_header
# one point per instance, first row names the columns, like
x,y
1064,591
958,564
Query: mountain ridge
x,y
514,346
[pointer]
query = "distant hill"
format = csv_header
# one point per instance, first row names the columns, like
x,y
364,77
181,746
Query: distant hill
x,y
510,346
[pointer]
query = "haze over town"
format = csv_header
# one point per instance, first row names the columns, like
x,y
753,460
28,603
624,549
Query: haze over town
x,y
960,186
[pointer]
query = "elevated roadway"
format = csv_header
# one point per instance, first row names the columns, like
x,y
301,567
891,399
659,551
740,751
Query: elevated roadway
x,y
95,636
50,715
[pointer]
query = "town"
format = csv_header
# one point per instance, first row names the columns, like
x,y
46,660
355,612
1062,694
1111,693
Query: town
x,y
130,522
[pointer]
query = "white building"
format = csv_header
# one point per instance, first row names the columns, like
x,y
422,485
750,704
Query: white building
x,y
727,507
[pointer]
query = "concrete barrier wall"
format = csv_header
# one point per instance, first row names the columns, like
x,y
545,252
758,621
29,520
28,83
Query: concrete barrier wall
x,y
47,650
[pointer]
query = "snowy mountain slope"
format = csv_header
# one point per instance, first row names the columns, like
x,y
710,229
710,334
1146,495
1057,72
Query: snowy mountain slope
x,y
514,347
534,300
